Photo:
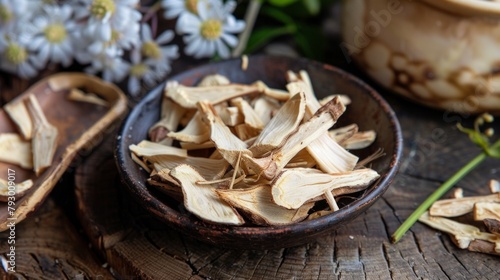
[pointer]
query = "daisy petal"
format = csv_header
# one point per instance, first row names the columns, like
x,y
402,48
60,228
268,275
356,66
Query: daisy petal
x,y
165,37
222,49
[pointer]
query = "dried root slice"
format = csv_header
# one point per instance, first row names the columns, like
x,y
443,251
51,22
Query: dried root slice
x,y
330,156
282,125
187,116
343,98
302,159
244,131
277,94
231,116
492,225
150,149
19,115
304,135
226,142
171,114
140,162
15,150
173,191
214,80
457,193
341,134
257,204
486,210
293,187
266,108
202,200
193,146
188,97
360,140
494,186
163,176
76,94
20,189
465,236
196,131
212,169
459,206
351,139
319,214
44,141
162,181
250,117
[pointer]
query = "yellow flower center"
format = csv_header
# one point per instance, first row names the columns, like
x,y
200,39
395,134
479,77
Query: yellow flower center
x,y
115,36
55,33
151,49
5,14
192,6
138,70
100,8
16,54
211,29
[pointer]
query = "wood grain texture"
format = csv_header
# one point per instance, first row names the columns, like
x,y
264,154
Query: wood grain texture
x,y
79,125
48,246
137,246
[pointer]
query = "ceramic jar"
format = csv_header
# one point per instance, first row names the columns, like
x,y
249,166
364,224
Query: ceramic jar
x,y
441,53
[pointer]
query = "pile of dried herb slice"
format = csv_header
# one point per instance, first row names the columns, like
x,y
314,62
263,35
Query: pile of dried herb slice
x,y
34,145
269,154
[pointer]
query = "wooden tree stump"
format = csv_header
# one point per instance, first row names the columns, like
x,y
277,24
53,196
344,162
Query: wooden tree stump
x,y
137,246
47,246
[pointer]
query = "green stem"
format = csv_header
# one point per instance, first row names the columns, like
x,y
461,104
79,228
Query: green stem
x,y
446,186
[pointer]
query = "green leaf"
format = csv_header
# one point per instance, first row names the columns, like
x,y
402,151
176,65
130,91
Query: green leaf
x,y
264,35
277,14
310,41
281,3
312,6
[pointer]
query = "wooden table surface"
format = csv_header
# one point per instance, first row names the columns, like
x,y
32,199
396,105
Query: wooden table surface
x,y
90,228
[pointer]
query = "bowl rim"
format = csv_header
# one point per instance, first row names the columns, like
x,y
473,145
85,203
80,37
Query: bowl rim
x,y
175,219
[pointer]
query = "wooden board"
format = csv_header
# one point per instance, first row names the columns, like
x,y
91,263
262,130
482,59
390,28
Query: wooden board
x,y
79,125
137,246
48,246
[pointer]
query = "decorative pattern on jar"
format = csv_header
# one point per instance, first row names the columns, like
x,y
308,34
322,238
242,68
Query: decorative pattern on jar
x,y
443,54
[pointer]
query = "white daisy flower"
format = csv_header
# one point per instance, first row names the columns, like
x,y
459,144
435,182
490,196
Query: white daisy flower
x,y
176,8
121,40
53,37
141,70
17,59
113,69
156,51
10,11
104,15
211,31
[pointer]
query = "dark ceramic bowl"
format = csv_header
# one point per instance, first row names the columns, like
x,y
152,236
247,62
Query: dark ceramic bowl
x,y
368,109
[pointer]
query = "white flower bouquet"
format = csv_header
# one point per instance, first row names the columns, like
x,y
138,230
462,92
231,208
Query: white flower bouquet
x,y
119,39
113,38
